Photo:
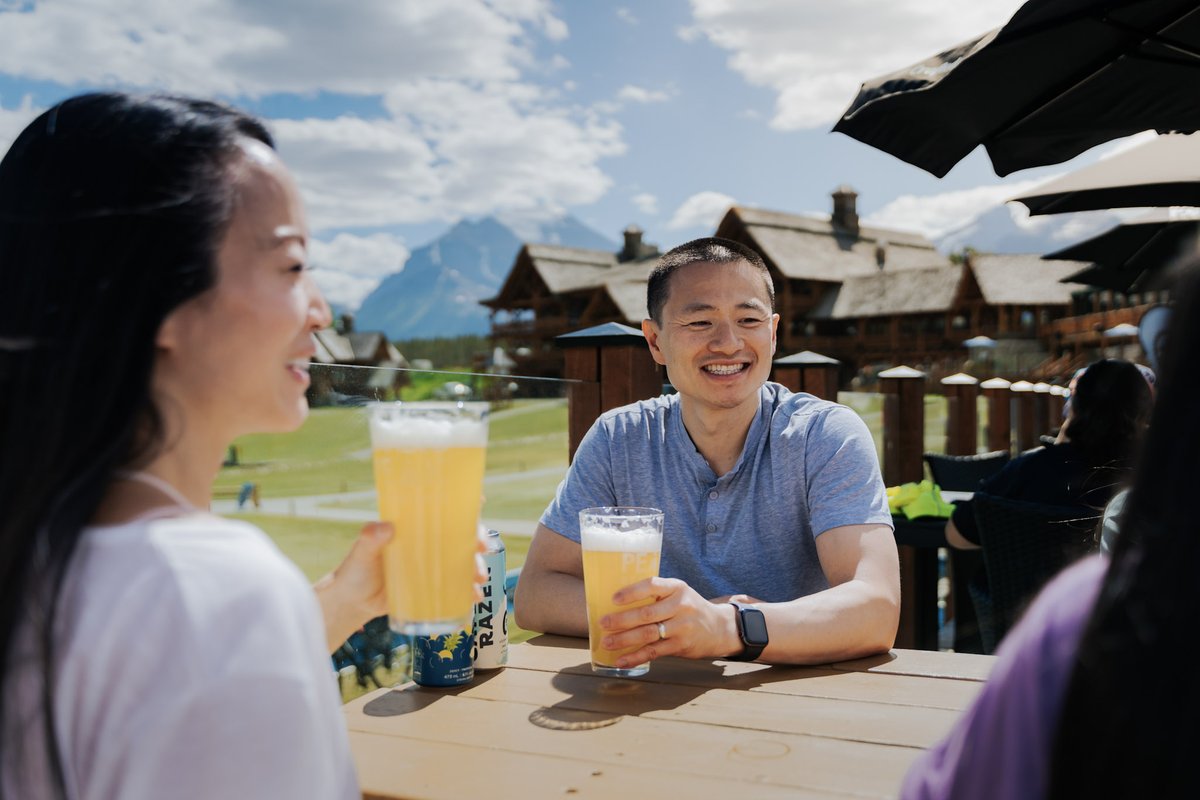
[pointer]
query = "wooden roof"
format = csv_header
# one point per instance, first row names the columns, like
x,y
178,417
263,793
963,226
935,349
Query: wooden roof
x,y
333,348
566,269
1011,280
626,286
369,348
812,248
908,291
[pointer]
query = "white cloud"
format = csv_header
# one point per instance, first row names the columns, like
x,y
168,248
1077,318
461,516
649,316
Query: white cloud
x,y
463,131
815,56
1081,225
13,121
449,151
506,149
250,49
702,210
646,203
348,267
936,214
637,94
626,16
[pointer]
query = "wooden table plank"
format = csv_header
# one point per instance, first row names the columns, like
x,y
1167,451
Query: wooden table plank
x,y
395,767
693,728
558,653
852,719
750,756
924,663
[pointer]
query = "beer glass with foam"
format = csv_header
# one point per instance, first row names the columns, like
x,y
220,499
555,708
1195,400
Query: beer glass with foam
x,y
429,478
621,545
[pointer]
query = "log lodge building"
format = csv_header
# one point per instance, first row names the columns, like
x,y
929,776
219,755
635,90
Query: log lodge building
x,y
866,296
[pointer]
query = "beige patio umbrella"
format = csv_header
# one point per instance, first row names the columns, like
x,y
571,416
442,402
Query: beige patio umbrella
x,y
1163,172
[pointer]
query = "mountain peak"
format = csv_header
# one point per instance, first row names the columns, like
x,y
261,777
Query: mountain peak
x,y
438,291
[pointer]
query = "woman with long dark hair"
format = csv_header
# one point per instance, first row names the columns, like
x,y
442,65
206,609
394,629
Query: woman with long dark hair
x,y
1094,693
1089,461
155,305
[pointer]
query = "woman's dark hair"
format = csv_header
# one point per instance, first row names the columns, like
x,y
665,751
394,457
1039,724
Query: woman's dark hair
x,y
1110,407
1127,727
111,211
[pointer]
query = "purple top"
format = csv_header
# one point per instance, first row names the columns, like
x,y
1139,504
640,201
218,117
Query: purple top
x,y
1001,746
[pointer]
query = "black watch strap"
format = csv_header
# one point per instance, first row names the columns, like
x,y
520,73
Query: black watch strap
x,y
752,630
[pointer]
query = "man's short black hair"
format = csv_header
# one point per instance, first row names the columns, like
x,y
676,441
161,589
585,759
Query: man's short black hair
x,y
709,250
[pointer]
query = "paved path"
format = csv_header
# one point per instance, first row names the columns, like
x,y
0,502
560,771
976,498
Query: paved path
x,y
332,506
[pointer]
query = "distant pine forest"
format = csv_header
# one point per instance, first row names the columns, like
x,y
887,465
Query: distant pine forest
x,y
447,352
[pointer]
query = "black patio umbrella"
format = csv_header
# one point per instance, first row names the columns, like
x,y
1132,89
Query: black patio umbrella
x,y
1061,77
1163,172
1134,256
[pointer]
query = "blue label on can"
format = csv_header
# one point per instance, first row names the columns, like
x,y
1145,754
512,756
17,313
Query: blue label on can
x,y
443,660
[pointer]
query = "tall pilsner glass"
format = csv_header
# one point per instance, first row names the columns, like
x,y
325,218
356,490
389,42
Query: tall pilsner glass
x,y
621,545
429,478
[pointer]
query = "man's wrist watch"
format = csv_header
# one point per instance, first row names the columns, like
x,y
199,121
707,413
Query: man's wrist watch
x,y
752,630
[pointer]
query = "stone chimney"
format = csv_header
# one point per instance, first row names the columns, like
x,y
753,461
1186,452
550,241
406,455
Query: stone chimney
x,y
347,325
845,212
633,244
634,248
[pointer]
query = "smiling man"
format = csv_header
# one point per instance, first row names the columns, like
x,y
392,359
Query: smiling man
x,y
777,544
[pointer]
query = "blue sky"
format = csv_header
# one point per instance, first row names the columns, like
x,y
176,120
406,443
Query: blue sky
x,y
400,117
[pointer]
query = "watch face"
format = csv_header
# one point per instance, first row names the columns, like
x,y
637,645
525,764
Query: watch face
x,y
754,627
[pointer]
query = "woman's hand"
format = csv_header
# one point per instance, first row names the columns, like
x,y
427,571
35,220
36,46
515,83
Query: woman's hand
x,y
354,593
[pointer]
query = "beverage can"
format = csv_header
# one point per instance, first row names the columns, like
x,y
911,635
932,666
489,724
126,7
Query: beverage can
x,y
443,660
491,613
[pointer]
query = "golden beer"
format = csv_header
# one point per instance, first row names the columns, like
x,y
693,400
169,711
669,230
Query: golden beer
x,y
429,461
620,546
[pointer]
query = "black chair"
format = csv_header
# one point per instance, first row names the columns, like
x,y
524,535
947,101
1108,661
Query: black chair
x,y
1024,546
963,474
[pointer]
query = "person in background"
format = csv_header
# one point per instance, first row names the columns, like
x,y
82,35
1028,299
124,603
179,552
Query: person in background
x,y
772,499
1090,458
157,304
1094,692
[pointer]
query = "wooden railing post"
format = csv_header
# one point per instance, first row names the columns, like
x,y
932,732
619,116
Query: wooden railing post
x,y
903,424
1058,401
1041,408
808,372
962,416
613,367
999,427
903,447
1022,392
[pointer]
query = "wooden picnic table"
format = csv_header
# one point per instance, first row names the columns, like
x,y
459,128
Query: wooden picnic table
x,y
547,727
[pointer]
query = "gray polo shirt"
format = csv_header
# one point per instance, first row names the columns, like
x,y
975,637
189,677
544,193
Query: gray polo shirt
x,y
808,465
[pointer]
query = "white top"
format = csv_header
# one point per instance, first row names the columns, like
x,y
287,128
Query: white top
x,y
192,664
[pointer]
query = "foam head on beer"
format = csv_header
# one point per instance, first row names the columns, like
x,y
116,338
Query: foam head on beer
x,y
637,540
405,427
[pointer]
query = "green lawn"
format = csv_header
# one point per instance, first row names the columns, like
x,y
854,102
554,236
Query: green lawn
x,y
869,406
